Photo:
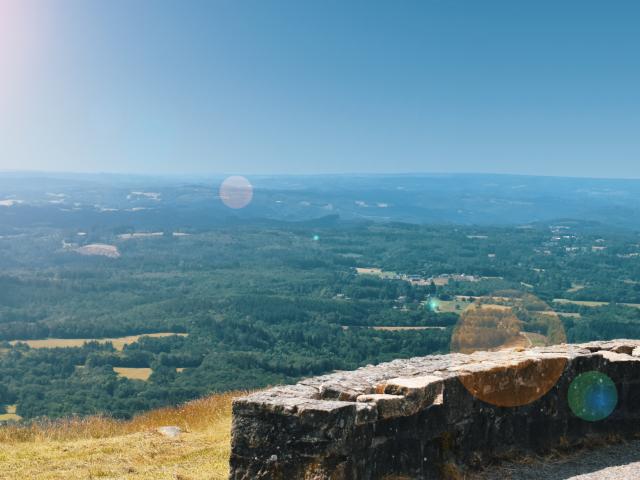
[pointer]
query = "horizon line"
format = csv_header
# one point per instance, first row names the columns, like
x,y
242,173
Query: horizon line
x,y
30,172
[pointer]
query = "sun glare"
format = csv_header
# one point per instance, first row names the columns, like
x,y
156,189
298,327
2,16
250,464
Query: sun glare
x,y
20,31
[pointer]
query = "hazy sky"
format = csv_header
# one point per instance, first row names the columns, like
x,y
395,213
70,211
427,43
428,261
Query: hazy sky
x,y
241,86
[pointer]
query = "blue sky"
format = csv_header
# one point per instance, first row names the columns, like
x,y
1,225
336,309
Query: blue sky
x,y
533,87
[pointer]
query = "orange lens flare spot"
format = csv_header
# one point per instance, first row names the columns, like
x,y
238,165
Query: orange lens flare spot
x,y
509,321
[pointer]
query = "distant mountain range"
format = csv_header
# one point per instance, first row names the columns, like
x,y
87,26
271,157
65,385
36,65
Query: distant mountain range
x,y
138,202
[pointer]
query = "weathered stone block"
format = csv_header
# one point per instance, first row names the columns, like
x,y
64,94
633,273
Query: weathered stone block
x,y
388,406
419,417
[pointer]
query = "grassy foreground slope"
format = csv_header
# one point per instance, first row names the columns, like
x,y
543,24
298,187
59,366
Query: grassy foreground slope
x,y
102,448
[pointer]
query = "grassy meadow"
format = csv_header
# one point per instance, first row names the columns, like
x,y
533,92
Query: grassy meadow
x,y
100,447
134,373
118,343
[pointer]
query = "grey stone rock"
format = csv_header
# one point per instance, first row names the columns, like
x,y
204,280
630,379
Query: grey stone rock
x,y
170,431
417,418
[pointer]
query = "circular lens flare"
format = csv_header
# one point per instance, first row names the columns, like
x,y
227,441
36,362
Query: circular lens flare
x,y
236,192
592,396
433,305
509,320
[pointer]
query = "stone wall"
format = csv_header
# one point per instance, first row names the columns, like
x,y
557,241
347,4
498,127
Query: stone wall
x,y
416,418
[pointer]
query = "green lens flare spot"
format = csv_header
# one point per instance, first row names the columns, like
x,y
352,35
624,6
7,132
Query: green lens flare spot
x,y
592,396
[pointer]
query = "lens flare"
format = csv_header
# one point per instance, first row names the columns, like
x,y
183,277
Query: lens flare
x,y
592,396
22,31
433,305
507,321
236,192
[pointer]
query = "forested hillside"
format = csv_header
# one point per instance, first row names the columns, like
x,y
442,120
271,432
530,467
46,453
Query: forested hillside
x,y
258,303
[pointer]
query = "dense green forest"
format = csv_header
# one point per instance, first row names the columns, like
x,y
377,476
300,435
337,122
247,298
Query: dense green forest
x,y
263,303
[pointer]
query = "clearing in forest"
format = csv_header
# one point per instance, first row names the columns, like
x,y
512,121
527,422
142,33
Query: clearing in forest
x,y
10,415
585,303
99,249
118,343
401,329
134,373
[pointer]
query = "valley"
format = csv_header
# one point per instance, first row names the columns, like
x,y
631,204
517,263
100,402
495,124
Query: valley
x,y
174,298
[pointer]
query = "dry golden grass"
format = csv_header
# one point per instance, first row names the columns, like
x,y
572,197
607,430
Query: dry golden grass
x,y
491,306
118,343
10,415
99,447
134,373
